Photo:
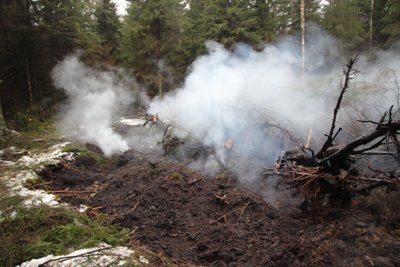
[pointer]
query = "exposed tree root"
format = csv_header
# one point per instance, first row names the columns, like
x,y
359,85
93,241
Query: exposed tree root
x,y
329,175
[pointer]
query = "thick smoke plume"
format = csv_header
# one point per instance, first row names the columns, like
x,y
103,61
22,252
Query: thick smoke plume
x,y
95,100
229,94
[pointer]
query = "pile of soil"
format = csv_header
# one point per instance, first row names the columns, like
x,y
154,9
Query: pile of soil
x,y
192,220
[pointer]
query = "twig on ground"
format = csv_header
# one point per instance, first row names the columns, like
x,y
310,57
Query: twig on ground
x,y
71,191
65,258
241,212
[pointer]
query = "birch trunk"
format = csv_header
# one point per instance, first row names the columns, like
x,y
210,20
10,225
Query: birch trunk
x,y
371,21
303,36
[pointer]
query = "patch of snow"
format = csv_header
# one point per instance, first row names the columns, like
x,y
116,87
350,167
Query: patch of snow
x,y
82,208
143,259
102,255
14,180
15,183
52,155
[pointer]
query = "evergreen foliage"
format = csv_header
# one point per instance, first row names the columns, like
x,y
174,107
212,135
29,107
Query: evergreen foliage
x,y
152,42
391,21
343,19
108,27
158,39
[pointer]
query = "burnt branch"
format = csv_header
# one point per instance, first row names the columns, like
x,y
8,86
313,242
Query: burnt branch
x,y
364,140
396,143
373,122
348,73
377,144
331,171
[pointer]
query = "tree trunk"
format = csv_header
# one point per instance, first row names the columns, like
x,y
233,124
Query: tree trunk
x,y
28,80
2,121
371,24
26,47
303,36
158,58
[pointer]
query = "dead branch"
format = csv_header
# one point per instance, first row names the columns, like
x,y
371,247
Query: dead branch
x,y
349,148
71,191
195,180
330,172
152,119
348,73
378,153
65,258
377,144
233,211
241,212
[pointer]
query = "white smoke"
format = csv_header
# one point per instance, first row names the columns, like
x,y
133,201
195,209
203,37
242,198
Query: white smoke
x,y
95,99
228,92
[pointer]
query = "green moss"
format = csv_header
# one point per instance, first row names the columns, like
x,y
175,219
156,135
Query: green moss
x,y
86,155
33,183
40,231
8,202
38,137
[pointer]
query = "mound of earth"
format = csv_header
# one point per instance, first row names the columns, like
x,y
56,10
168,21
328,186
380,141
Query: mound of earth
x,y
192,220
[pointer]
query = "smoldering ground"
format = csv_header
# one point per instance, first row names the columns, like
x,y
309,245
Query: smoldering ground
x,y
228,94
94,101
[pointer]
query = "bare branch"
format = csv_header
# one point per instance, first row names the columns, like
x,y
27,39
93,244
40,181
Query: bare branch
x,y
349,148
348,73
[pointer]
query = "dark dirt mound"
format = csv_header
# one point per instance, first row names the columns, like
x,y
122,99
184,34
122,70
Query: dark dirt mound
x,y
194,220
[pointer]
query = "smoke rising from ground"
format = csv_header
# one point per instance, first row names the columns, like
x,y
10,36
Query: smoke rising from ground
x,y
94,101
228,95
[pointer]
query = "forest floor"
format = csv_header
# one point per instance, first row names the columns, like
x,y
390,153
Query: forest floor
x,y
179,217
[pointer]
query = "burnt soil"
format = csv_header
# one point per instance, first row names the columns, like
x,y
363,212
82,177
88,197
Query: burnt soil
x,y
187,219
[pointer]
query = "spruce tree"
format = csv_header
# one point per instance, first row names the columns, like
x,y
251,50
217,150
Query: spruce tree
x,y
391,22
152,43
343,20
108,28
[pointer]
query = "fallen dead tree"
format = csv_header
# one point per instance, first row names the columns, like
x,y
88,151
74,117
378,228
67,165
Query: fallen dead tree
x,y
330,175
